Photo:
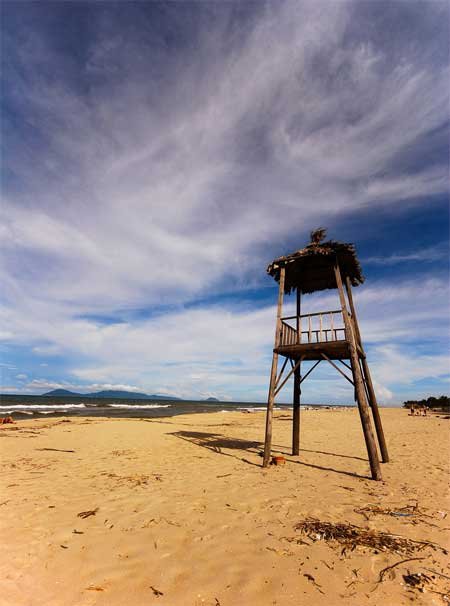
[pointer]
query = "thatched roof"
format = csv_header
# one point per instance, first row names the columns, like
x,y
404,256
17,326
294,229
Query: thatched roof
x,y
312,268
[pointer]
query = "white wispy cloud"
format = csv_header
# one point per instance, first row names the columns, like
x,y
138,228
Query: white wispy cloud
x,y
140,200
427,255
227,349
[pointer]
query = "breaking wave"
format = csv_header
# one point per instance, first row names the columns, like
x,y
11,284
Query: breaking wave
x,y
138,406
40,407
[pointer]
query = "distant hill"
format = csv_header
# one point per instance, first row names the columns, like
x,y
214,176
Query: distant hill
x,y
212,400
126,395
61,392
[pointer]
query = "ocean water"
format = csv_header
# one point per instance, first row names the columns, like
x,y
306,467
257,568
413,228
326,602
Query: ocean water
x,y
28,407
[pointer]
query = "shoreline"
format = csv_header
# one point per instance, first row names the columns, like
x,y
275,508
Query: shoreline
x,y
116,408
182,506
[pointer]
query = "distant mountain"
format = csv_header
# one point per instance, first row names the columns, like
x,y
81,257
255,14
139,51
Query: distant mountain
x,y
61,392
212,400
126,395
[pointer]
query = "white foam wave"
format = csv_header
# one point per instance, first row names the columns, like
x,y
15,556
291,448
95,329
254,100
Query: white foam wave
x,y
49,412
139,406
41,407
253,409
10,412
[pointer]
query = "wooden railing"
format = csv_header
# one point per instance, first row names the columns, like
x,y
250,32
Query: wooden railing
x,y
320,327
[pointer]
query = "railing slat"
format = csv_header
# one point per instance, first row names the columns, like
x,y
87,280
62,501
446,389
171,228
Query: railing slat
x,y
321,331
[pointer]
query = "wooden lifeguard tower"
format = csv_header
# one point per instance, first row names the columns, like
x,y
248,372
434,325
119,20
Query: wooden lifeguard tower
x,y
332,336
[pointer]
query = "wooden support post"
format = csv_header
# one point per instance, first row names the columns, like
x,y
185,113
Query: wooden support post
x,y
368,380
359,385
296,412
297,392
273,374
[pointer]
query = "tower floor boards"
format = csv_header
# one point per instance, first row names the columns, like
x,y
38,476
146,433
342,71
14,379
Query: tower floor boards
x,y
335,350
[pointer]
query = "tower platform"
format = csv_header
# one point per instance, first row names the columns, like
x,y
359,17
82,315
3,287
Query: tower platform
x,y
334,350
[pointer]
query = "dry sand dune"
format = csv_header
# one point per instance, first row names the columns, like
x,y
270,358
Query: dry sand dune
x,y
183,514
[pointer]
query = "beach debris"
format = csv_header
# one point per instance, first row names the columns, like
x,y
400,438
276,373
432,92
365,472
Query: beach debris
x,y
278,460
75,531
64,546
224,476
87,514
135,480
55,449
439,574
351,536
406,511
313,581
390,568
416,580
95,588
412,513
156,592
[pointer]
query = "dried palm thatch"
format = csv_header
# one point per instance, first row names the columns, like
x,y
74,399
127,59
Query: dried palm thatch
x,y
312,268
351,536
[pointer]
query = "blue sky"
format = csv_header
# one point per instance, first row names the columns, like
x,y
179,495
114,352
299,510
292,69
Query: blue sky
x,y
157,156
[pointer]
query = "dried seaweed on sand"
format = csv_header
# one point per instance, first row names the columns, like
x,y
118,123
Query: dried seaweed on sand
x,y
351,536
407,511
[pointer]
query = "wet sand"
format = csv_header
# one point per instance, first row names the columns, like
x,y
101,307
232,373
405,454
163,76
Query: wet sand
x,y
180,512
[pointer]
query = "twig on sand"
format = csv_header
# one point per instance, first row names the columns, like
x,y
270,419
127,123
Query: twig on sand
x,y
55,449
313,581
438,573
156,592
86,514
385,570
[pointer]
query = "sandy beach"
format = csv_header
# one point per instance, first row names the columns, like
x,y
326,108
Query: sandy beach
x,y
178,511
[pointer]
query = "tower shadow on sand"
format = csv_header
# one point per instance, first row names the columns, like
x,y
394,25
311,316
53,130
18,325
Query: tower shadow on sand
x,y
218,443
